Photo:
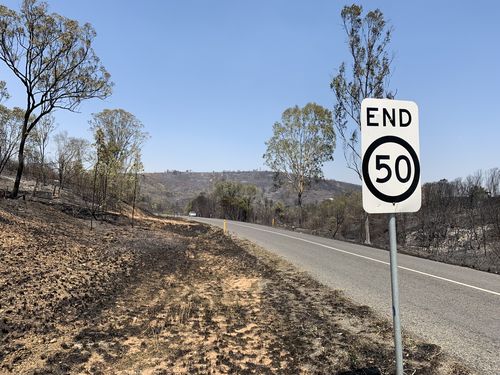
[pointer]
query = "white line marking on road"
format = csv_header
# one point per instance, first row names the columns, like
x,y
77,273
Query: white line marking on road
x,y
369,258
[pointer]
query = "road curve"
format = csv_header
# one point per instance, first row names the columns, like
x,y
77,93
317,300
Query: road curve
x,y
455,307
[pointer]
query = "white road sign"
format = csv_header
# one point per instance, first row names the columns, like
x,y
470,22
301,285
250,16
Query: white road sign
x,y
390,156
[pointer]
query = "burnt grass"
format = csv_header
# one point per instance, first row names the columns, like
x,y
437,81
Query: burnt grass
x,y
171,297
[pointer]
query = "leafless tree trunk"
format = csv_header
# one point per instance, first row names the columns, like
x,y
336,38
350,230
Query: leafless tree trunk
x,y
367,230
134,198
20,161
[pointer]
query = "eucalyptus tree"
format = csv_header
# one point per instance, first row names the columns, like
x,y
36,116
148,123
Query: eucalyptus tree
x,y
118,136
367,76
136,168
52,57
10,120
71,154
234,200
301,143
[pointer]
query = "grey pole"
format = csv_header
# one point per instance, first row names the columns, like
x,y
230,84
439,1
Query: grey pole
x,y
395,294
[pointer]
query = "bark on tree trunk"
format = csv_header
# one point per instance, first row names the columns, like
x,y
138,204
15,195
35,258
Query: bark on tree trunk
x,y
133,203
35,188
42,171
94,194
299,201
367,230
20,166
104,197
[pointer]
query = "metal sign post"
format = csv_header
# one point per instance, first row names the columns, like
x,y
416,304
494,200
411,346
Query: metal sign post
x,y
391,177
395,294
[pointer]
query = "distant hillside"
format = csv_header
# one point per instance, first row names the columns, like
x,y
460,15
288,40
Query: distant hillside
x,y
173,190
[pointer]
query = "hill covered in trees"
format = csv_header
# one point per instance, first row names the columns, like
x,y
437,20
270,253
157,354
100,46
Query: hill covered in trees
x,y
173,190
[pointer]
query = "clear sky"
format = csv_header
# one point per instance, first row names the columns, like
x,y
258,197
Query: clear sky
x,y
209,78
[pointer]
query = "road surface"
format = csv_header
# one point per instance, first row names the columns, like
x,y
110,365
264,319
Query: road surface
x,y
455,307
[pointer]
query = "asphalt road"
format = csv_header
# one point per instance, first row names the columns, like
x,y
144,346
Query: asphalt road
x,y
455,307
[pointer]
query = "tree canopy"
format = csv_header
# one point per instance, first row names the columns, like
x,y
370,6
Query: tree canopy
x,y
301,143
53,58
118,138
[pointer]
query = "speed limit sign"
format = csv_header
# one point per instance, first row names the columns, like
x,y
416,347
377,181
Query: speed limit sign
x,y
390,156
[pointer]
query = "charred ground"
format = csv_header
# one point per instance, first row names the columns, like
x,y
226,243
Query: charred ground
x,y
168,296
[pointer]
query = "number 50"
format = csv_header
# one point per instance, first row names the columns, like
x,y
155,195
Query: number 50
x,y
379,164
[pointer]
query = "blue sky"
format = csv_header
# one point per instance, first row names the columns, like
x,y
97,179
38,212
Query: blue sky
x,y
209,78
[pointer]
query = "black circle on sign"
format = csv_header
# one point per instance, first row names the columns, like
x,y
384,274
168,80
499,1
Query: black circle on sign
x,y
366,176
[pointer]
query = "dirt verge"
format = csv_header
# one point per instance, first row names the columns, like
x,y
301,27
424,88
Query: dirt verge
x,y
169,297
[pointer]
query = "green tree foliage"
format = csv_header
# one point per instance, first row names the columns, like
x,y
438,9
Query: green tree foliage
x,y
52,57
336,217
118,137
234,200
229,200
301,143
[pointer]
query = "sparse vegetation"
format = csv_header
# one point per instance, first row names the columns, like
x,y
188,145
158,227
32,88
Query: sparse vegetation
x,y
10,134
52,57
170,192
118,137
174,297
459,221
137,293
